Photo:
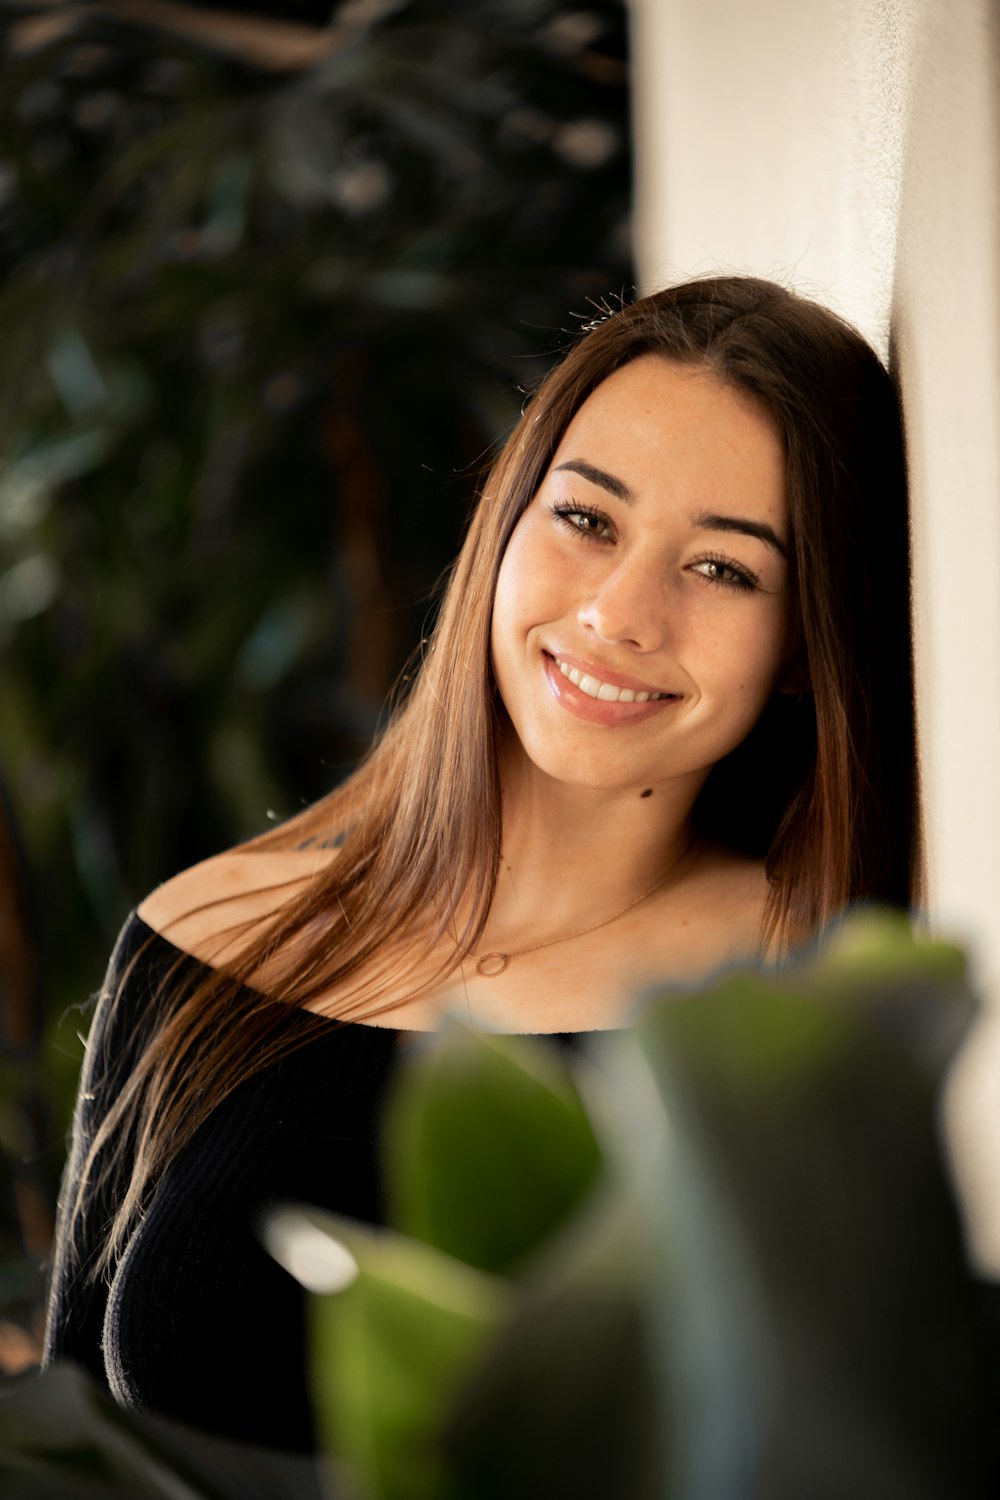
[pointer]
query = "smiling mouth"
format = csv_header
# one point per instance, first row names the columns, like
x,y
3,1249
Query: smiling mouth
x,y
605,692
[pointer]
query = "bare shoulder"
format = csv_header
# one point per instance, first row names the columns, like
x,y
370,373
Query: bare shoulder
x,y
725,898
737,878
207,908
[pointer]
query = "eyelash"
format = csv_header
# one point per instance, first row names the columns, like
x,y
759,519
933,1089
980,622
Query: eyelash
x,y
742,577
564,513
743,580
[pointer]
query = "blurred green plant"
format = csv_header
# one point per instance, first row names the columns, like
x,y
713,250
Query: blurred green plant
x,y
63,1439
763,1291
261,317
713,1257
249,328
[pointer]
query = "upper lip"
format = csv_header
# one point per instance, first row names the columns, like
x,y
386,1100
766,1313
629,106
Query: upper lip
x,y
605,674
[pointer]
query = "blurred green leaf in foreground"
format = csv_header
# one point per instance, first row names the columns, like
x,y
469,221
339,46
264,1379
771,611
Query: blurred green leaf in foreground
x,y
751,1280
715,1256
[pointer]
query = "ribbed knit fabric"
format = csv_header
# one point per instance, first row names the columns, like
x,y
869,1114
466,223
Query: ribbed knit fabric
x,y
199,1323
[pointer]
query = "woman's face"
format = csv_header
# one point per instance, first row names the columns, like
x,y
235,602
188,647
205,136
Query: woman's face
x,y
641,616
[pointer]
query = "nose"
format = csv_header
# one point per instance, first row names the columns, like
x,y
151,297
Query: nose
x,y
628,606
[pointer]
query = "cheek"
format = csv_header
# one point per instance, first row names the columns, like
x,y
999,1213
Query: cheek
x,y
772,656
528,587
504,620
746,657
509,603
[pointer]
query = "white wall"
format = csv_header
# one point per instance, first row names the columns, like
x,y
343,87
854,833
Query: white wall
x,y
852,148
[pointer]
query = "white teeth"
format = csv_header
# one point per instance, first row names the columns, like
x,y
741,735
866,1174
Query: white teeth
x,y
605,691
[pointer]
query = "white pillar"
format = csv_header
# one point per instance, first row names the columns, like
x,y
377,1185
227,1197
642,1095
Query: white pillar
x,y
769,138
946,339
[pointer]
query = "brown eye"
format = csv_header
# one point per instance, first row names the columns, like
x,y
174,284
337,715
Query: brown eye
x,y
588,523
726,574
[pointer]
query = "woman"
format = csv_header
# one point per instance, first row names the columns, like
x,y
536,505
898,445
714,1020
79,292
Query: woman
x,y
665,722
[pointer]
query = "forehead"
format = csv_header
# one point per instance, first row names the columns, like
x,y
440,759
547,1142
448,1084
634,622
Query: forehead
x,y
656,424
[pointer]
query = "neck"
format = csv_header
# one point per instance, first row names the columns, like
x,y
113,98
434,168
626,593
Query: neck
x,y
573,854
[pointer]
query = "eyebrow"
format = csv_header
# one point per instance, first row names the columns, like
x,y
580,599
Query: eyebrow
x,y
707,521
609,482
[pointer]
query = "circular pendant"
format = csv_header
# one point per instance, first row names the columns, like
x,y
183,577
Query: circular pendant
x,y
492,964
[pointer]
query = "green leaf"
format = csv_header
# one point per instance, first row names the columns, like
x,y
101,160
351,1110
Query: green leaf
x,y
564,1404
872,984
819,1332
489,1146
62,1437
392,1349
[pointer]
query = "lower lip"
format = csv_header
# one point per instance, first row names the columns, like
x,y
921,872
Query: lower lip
x,y
599,710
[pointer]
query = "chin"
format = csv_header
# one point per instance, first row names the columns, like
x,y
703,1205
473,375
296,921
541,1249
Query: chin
x,y
597,773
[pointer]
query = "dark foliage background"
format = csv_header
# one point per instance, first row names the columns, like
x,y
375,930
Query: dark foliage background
x,y
270,287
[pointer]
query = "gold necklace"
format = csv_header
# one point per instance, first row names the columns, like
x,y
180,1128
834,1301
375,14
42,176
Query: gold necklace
x,y
490,965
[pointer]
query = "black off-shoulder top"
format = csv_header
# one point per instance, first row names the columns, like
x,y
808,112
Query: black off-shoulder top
x,y
199,1323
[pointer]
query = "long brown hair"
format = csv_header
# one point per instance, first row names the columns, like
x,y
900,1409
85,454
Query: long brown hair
x,y
823,789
